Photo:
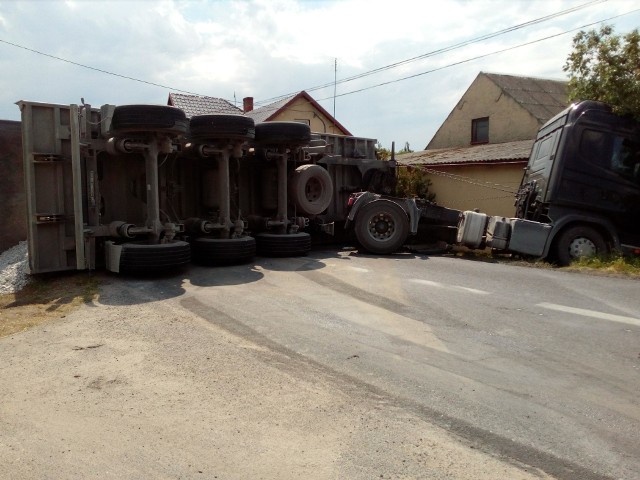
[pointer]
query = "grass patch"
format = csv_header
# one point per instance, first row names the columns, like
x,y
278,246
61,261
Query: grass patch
x,y
610,265
615,264
45,298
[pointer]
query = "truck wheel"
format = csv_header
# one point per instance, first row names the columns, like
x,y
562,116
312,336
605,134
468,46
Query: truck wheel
x,y
283,133
579,242
220,126
148,118
223,251
143,258
283,245
311,189
382,226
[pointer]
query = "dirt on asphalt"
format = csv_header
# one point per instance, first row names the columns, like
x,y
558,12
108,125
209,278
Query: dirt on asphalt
x,y
114,379
45,298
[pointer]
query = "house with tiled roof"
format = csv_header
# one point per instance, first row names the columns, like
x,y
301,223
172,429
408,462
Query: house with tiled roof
x,y
300,107
477,156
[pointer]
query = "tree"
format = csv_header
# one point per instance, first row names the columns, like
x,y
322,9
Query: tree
x,y
382,153
414,182
606,67
406,149
385,154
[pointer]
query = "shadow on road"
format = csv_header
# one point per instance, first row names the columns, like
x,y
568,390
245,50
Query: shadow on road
x,y
131,290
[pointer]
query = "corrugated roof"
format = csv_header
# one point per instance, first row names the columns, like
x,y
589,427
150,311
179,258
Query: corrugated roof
x,y
487,153
197,105
543,98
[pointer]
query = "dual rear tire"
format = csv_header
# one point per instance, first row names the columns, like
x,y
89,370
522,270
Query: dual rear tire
x,y
129,119
141,258
283,245
223,251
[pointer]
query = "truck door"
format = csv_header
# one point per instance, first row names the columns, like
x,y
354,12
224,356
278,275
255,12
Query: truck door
x,y
541,161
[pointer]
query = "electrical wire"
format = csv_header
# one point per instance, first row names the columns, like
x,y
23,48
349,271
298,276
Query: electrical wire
x,y
94,68
377,70
440,51
478,57
461,178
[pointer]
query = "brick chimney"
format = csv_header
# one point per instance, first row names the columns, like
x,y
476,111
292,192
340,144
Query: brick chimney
x,y
247,104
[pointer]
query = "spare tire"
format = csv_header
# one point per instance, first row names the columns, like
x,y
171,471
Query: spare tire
x,y
311,189
148,118
283,133
221,126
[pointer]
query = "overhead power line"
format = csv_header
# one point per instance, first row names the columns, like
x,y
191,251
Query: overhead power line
x,y
439,51
95,68
478,57
371,72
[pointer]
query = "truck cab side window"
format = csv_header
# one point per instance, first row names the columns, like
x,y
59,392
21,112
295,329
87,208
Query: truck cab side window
x,y
625,159
612,152
595,147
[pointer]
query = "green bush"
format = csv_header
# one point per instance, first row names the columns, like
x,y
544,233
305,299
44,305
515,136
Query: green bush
x,y
413,182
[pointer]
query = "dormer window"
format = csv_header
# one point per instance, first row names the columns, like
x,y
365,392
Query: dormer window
x,y
480,130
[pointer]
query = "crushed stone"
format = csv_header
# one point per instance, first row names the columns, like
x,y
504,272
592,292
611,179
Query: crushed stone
x,y
14,269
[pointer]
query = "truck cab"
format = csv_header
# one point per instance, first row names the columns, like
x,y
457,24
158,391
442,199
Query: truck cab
x,y
583,179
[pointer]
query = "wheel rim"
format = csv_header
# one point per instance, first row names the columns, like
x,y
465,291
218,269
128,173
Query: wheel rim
x,y
582,247
381,226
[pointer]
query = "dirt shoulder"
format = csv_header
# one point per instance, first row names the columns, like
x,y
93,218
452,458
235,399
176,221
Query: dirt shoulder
x,y
46,298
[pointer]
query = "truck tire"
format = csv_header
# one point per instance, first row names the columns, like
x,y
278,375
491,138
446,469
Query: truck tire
x,y
143,258
148,118
382,226
311,189
221,126
283,245
223,251
579,242
292,134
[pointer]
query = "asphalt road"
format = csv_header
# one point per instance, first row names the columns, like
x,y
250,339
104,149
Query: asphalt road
x,y
334,365
538,365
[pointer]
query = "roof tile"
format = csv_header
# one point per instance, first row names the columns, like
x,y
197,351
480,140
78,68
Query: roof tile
x,y
196,105
264,113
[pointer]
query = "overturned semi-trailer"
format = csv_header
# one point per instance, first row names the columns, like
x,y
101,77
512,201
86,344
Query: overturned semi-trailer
x,y
143,188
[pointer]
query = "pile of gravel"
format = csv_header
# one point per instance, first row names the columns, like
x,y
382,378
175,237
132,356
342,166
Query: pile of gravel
x,y
14,269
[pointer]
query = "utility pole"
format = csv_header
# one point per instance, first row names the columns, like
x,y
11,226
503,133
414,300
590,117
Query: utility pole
x,y
335,83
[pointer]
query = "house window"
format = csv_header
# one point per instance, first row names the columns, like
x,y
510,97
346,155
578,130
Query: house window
x,y
303,120
480,130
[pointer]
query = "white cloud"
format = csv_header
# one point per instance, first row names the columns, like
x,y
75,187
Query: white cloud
x,y
266,48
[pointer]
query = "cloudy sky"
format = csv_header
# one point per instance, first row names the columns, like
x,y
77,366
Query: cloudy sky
x,y
121,52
